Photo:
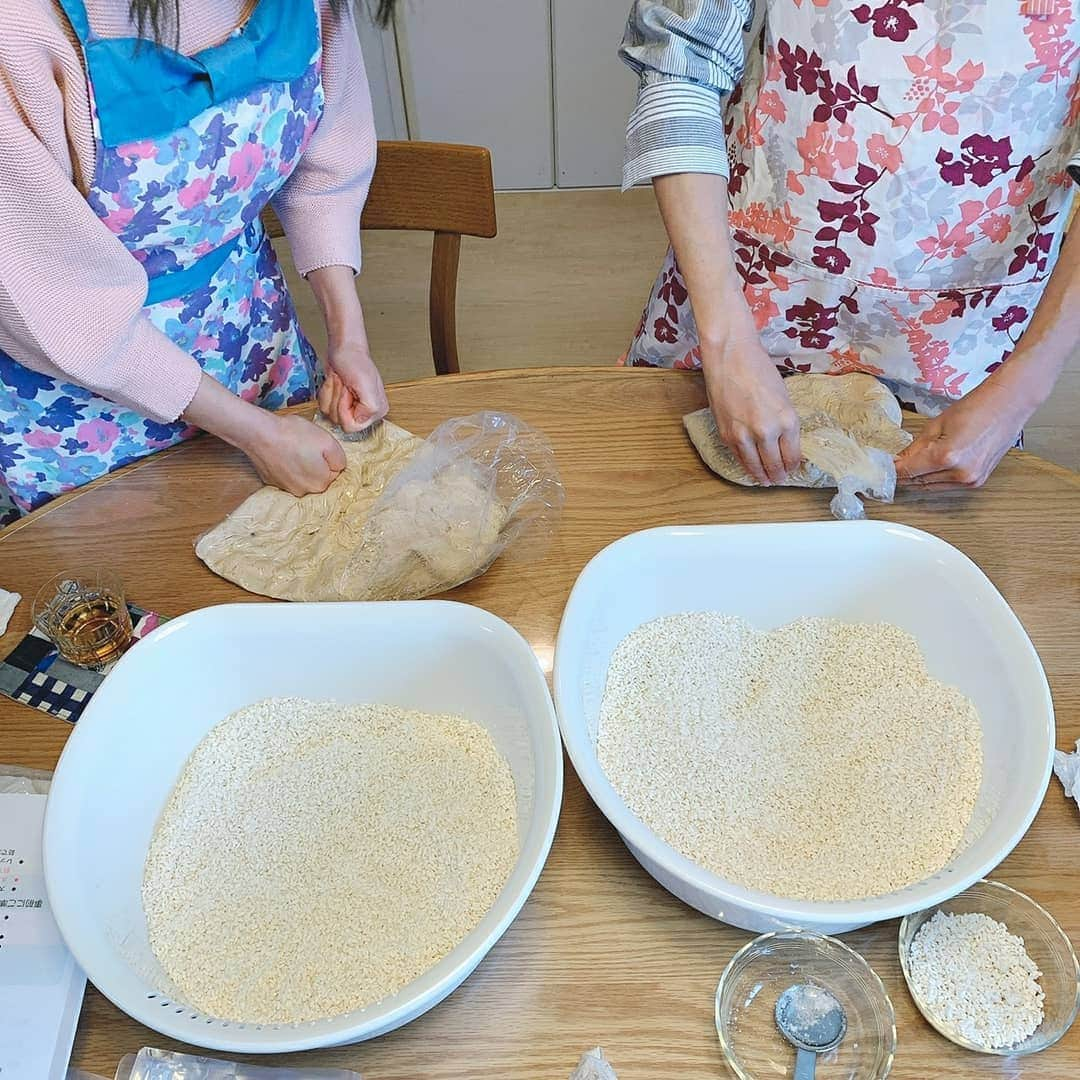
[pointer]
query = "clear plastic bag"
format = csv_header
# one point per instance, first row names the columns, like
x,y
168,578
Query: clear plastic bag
x,y
850,434
15,780
151,1064
477,485
594,1066
837,457
406,519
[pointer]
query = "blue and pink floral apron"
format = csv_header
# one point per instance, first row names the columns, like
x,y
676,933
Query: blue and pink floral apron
x,y
189,152
898,189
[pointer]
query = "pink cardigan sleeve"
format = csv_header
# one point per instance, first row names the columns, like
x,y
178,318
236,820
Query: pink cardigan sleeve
x,y
71,296
320,204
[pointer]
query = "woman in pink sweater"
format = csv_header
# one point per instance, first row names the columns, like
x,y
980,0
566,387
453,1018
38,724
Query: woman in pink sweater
x,y
139,297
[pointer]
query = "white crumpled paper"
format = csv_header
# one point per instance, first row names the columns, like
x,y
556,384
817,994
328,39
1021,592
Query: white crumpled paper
x,y
1067,770
9,601
594,1066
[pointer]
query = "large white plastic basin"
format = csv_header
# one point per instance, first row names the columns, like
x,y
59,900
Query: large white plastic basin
x,y
126,752
772,574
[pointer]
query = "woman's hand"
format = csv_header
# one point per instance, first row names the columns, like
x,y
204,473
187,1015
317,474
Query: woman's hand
x,y
753,410
287,451
352,394
296,455
746,393
962,447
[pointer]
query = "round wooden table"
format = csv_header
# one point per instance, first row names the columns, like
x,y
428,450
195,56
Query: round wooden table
x,y
600,953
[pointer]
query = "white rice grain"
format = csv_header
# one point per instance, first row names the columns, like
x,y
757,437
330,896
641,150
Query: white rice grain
x,y
978,978
816,762
315,858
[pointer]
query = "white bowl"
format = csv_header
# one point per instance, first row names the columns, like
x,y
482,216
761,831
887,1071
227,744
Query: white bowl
x,y
127,751
771,575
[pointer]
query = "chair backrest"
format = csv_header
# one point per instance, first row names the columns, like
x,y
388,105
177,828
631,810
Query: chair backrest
x,y
431,187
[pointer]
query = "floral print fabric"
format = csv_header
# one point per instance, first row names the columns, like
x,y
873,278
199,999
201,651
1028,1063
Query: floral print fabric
x,y
171,201
898,189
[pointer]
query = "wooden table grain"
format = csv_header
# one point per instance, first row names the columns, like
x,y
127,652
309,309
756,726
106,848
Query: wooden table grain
x,y
600,953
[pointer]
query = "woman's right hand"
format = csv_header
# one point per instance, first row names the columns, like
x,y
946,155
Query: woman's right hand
x,y
296,455
748,398
752,408
287,451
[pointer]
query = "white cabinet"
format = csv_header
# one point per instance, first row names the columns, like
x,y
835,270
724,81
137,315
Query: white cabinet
x,y
479,71
594,91
538,82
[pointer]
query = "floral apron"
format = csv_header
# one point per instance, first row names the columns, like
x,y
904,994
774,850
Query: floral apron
x,y
184,167
898,189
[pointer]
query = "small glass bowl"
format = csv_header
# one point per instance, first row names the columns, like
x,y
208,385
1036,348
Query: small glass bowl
x,y
1045,942
763,969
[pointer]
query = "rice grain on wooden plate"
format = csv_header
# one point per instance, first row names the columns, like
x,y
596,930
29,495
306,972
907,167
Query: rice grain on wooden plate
x,y
315,858
816,762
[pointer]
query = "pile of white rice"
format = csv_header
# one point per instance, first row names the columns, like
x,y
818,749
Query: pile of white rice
x,y
315,858
978,978
816,762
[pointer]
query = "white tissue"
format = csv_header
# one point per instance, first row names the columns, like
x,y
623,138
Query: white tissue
x,y
1067,769
594,1066
9,601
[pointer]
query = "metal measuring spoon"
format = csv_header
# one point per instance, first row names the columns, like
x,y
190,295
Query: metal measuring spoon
x,y
813,1021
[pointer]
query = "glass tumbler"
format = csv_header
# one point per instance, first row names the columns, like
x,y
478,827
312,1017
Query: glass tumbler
x,y
85,616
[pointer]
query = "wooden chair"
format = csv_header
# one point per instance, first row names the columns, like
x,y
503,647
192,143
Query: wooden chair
x,y
431,187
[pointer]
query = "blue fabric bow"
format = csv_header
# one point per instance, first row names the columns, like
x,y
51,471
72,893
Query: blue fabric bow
x,y
145,90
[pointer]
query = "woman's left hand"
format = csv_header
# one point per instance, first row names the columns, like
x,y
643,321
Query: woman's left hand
x,y
962,447
352,394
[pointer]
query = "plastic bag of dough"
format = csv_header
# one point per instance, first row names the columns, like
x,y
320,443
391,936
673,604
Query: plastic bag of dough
x,y
406,518
477,485
851,433
594,1066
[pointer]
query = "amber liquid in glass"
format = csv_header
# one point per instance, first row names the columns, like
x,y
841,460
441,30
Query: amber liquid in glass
x,y
93,632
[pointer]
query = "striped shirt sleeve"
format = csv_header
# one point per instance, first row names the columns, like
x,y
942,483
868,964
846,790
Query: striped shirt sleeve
x,y
687,54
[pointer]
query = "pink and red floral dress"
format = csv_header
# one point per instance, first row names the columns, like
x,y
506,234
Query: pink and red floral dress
x,y
898,188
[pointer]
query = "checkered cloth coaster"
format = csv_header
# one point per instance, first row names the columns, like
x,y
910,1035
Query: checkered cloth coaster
x,y
35,675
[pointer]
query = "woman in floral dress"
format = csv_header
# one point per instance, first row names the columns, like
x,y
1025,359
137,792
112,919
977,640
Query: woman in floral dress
x,y
140,298
870,185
